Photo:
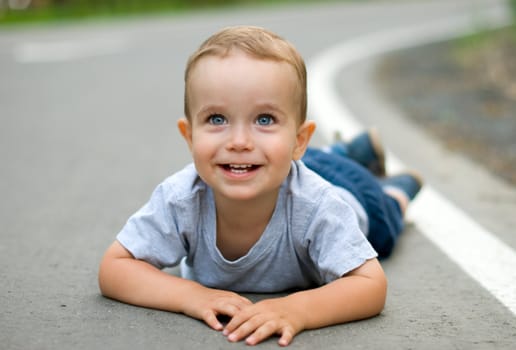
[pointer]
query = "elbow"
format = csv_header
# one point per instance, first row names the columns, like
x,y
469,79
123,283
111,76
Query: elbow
x,y
377,296
102,281
379,292
105,278
110,270
379,288
382,294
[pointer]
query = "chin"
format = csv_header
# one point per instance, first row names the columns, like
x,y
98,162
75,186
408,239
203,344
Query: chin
x,y
246,194
241,196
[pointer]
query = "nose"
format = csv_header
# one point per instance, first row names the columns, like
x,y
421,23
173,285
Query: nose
x,y
240,138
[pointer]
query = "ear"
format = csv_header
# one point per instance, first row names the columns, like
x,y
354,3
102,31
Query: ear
x,y
185,128
304,134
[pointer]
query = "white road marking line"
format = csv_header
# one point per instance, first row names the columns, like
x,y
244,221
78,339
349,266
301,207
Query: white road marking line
x,y
66,50
488,260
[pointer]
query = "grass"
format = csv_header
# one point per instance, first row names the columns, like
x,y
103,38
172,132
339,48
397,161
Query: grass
x,y
470,46
58,11
485,39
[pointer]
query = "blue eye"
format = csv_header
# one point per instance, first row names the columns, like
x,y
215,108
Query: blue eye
x,y
217,119
265,119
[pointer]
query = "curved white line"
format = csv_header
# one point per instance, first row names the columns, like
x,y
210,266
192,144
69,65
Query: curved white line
x,y
67,50
488,260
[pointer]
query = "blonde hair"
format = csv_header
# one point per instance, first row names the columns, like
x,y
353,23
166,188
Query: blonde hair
x,y
256,42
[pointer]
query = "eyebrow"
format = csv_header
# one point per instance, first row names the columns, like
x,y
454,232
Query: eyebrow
x,y
271,107
207,110
217,108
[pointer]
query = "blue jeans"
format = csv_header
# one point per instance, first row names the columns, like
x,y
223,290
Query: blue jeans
x,y
383,211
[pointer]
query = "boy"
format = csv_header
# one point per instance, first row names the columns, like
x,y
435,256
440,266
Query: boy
x,y
249,216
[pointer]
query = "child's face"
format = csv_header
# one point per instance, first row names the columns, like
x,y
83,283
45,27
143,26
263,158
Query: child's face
x,y
244,124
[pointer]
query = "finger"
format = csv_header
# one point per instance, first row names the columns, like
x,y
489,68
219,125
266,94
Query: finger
x,y
269,329
261,333
286,337
211,320
236,321
246,301
228,309
255,329
241,326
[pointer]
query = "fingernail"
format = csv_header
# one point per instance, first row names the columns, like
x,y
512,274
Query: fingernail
x,y
225,332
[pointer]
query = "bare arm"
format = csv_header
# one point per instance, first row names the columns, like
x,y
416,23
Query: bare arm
x,y
124,278
359,294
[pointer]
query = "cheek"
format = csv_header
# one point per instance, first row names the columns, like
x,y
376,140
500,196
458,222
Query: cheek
x,y
201,148
202,155
281,149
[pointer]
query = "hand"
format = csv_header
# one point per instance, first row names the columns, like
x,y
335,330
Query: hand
x,y
259,321
206,304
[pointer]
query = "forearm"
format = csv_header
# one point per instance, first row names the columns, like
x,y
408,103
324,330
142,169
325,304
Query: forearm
x,y
139,283
136,282
349,298
359,294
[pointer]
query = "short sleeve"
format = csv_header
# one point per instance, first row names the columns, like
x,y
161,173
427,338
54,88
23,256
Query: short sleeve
x,y
152,233
334,241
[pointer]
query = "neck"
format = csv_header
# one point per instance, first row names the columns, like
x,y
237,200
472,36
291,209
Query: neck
x,y
240,224
241,214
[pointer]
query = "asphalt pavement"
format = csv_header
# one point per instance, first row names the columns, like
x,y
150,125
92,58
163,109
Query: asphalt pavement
x,y
88,114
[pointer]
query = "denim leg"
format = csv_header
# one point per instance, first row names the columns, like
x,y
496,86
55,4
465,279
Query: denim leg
x,y
339,148
384,213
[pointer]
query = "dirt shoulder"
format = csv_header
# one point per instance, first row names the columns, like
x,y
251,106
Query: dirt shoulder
x,y
462,92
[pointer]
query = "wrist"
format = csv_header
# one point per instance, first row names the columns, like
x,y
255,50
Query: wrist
x,y
299,310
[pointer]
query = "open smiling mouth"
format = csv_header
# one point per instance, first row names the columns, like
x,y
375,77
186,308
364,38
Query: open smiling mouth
x,y
240,168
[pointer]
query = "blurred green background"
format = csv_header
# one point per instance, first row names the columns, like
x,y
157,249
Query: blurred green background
x,y
26,11
23,11
20,11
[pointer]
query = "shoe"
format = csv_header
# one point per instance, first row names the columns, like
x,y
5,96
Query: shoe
x,y
409,183
365,148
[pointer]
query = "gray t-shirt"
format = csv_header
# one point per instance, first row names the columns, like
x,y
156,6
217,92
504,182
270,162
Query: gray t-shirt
x,y
312,238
